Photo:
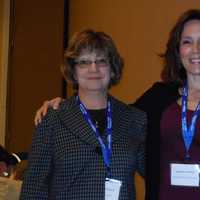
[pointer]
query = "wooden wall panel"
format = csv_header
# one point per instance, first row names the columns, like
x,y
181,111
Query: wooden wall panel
x,y
35,65
140,29
4,46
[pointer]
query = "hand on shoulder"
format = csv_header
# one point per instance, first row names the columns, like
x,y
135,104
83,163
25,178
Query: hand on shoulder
x,y
42,111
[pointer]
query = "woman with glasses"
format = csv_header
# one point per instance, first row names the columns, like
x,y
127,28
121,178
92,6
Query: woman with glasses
x,y
172,107
90,147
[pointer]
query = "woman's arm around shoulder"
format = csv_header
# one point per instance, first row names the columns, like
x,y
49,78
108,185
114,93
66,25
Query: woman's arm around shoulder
x,y
157,96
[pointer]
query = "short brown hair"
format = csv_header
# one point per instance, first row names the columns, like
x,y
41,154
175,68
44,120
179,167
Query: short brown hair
x,y
173,70
92,41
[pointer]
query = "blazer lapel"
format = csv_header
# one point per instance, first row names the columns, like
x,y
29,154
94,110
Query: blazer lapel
x,y
120,120
73,119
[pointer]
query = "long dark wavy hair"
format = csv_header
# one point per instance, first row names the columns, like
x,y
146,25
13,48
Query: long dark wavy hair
x,y
173,70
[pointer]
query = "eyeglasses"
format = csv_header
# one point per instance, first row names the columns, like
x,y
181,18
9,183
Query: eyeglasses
x,y
103,62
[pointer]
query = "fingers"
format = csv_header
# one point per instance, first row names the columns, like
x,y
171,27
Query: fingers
x,y
41,112
54,103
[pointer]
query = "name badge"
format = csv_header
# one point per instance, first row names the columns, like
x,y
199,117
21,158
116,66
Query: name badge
x,y
185,174
112,189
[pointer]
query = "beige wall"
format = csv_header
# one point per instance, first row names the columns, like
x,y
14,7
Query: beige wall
x,y
140,30
4,42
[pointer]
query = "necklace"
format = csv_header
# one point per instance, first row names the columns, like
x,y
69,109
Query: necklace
x,y
98,119
96,124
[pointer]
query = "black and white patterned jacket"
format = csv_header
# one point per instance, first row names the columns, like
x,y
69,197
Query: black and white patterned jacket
x,y
65,162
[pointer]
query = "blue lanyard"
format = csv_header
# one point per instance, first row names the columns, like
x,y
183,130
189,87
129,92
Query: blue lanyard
x,y
188,131
105,148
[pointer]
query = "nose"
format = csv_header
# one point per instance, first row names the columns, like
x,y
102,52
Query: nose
x,y
93,67
196,47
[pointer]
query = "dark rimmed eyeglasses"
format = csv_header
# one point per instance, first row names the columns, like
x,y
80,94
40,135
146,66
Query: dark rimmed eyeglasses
x,y
103,62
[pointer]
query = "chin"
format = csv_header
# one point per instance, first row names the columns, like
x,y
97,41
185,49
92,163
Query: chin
x,y
96,89
194,70
194,73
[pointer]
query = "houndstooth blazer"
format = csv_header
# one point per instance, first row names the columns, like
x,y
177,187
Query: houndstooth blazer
x,y
66,163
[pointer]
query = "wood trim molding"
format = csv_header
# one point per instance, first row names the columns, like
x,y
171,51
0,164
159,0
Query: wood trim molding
x,y
4,45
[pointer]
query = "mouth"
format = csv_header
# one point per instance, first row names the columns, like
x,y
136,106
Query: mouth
x,y
195,60
94,78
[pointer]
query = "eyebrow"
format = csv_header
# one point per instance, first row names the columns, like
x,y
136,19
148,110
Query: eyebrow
x,y
186,37
97,58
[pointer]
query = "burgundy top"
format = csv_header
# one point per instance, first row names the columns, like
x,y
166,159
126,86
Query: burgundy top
x,y
173,150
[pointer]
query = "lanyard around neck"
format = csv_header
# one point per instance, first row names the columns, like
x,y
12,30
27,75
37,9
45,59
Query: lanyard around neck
x,y
188,131
105,148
